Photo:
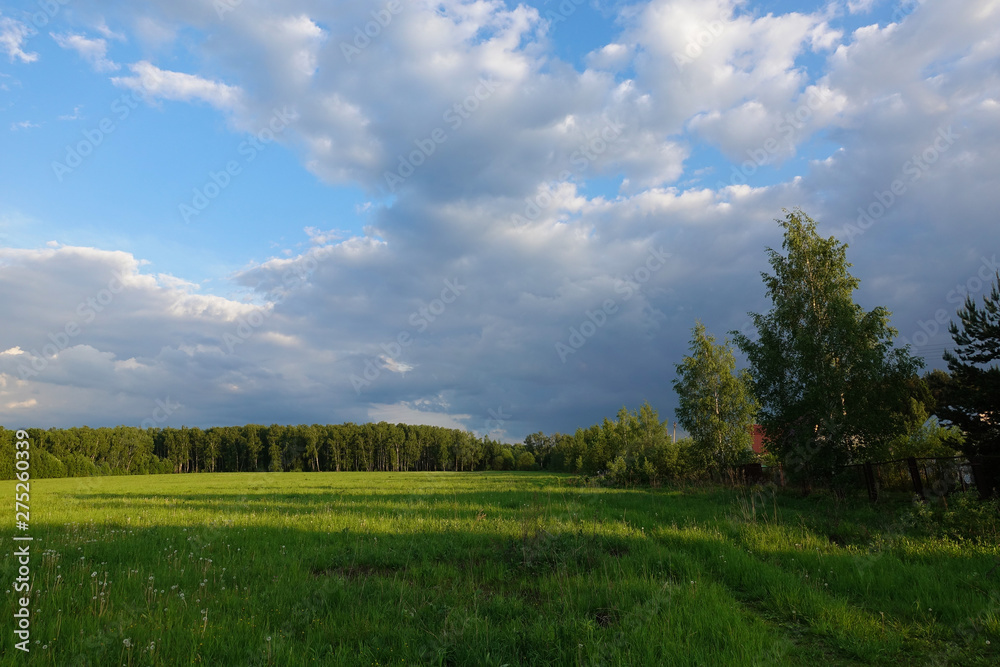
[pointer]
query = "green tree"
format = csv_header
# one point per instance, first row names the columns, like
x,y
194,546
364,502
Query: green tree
x,y
717,406
251,443
525,461
831,385
311,444
970,398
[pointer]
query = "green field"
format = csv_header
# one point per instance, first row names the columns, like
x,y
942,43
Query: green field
x,y
486,569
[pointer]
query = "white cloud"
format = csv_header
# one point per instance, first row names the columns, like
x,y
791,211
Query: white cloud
x,y
13,36
102,27
157,83
596,206
94,51
860,6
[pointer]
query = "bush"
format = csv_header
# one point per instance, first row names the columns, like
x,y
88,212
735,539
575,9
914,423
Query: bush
x,y
503,461
78,465
959,517
525,461
158,466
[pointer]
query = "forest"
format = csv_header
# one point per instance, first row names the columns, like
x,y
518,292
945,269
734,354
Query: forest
x,y
382,447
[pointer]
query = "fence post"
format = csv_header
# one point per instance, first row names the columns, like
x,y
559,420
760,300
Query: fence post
x,y
918,484
870,482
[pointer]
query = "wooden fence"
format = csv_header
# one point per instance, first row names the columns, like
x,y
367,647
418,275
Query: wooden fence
x,y
925,477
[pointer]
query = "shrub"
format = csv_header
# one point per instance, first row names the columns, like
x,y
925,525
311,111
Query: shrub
x,y
78,465
525,461
959,517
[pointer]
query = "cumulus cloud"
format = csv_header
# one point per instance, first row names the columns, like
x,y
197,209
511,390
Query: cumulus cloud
x,y
541,237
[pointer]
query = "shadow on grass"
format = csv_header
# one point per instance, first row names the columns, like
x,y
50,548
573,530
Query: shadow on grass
x,y
539,575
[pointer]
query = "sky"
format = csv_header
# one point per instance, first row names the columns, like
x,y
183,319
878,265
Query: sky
x,y
504,217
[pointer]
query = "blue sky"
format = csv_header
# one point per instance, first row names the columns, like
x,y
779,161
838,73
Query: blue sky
x,y
605,131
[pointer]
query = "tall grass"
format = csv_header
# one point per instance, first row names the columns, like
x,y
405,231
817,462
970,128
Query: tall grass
x,y
488,569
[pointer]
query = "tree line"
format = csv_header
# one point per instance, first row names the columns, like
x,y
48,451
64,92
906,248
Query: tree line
x,y
125,450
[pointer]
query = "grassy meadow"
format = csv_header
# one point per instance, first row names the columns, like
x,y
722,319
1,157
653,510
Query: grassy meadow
x,y
487,569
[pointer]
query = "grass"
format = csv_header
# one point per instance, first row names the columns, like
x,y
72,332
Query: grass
x,y
487,569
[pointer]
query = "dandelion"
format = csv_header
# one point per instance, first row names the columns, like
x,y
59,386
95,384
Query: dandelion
x,y
127,642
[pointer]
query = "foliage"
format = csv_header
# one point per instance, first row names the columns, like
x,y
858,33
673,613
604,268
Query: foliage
x,y
970,397
716,405
525,461
635,448
831,385
962,517
124,450
930,439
